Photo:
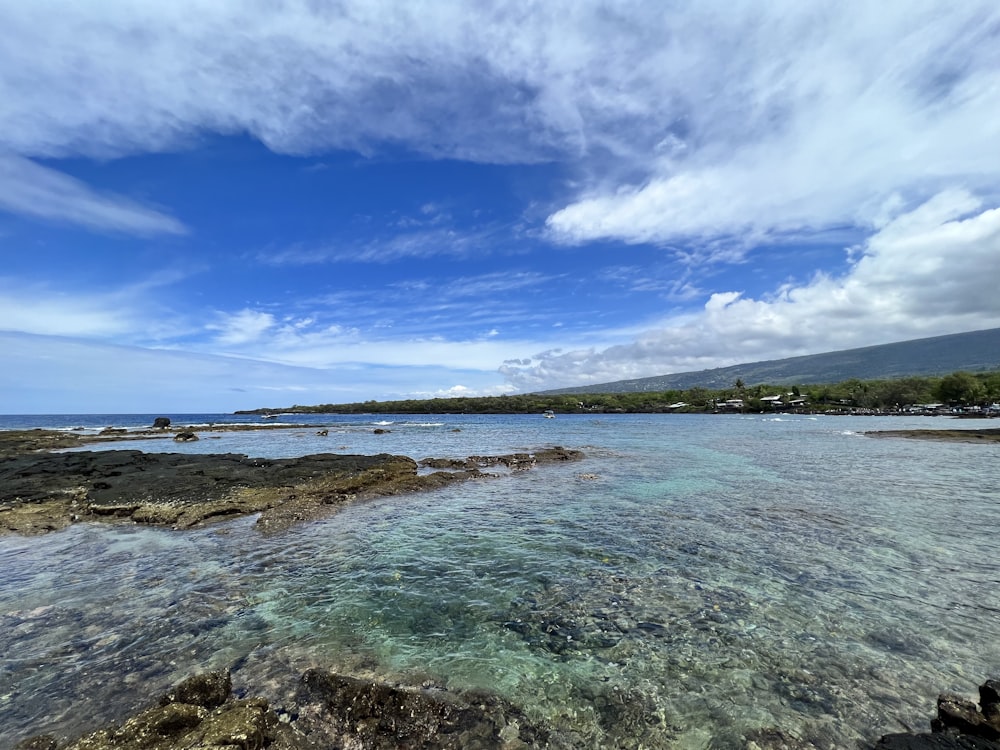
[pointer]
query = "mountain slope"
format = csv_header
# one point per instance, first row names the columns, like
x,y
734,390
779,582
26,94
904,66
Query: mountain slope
x,y
976,351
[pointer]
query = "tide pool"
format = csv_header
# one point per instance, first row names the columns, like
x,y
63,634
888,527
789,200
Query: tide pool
x,y
695,579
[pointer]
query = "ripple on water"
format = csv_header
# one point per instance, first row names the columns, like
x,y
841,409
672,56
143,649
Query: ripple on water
x,y
718,576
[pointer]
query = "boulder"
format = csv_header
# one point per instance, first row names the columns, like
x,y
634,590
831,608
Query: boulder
x,y
161,423
208,689
340,711
959,725
185,437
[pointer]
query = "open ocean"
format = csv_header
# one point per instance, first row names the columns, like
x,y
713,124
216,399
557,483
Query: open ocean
x,y
694,579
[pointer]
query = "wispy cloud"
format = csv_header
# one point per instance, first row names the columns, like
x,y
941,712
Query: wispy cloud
x,y
52,374
811,118
422,243
29,189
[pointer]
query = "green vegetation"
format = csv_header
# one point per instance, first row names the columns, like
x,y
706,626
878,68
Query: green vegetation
x,y
959,389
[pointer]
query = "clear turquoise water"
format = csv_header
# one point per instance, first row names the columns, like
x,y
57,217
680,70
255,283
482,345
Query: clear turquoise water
x,y
715,575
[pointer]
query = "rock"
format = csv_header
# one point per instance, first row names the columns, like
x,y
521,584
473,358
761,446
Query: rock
x,y
185,437
329,711
339,711
380,431
958,714
323,433
909,741
113,431
41,492
959,724
989,699
212,721
209,690
161,423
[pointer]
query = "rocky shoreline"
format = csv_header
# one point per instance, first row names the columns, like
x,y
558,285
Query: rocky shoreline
x,y
41,491
324,710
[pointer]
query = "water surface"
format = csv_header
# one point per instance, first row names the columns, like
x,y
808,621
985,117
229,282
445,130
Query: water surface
x,y
694,579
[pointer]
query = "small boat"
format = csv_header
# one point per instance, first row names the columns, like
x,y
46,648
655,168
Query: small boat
x,y
269,416
549,414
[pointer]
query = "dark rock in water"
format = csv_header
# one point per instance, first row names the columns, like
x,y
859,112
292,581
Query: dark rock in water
x,y
934,742
161,423
989,699
238,723
328,711
339,711
185,437
41,492
958,714
380,431
209,690
205,723
959,724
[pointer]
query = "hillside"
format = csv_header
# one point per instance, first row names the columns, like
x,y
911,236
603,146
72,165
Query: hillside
x,y
976,351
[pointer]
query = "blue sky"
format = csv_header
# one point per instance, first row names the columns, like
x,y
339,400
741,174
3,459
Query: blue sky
x,y
213,206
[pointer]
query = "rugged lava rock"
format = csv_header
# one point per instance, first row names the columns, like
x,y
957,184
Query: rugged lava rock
x,y
42,492
329,711
954,436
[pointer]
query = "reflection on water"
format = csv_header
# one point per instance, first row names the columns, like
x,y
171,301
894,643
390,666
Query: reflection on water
x,y
693,580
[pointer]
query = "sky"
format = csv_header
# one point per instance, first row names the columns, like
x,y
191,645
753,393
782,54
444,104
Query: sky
x,y
210,206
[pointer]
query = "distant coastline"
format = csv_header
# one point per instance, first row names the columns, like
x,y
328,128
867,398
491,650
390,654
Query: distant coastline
x,y
958,394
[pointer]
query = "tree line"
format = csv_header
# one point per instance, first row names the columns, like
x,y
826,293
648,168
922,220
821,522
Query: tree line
x,y
959,389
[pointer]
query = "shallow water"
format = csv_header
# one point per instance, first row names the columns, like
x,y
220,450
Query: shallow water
x,y
694,579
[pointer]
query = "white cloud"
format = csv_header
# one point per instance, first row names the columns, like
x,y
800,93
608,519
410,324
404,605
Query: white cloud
x,y
243,327
736,120
119,314
135,312
928,272
812,119
32,190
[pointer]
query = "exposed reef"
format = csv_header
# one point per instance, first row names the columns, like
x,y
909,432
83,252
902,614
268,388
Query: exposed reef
x,y
954,436
42,492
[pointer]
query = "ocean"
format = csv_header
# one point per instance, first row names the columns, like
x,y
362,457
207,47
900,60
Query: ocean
x,y
696,579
